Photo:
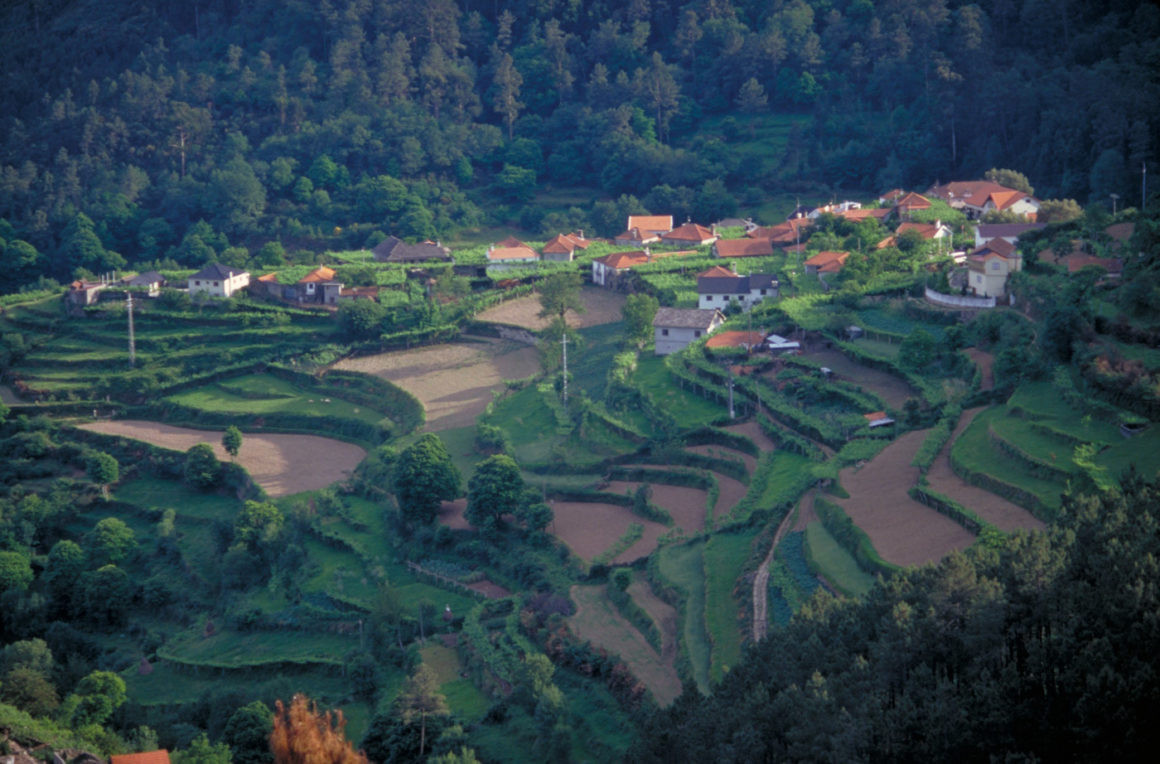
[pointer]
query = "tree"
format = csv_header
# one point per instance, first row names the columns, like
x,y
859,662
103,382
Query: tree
x,y
1010,179
95,699
201,467
29,690
102,469
536,516
302,735
232,441
361,319
495,489
639,311
1058,211
15,571
201,751
751,97
66,562
257,524
917,350
111,541
658,88
248,733
419,699
423,478
507,91
108,594
560,293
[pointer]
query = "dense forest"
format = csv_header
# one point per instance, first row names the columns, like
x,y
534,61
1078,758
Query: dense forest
x,y
144,131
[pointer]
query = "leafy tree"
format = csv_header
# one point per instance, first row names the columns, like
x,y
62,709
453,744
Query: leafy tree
x,y
536,516
917,350
1058,211
560,293
1010,179
495,489
232,441
201,467
15,571
108,594
257,524
29,690
639,311
66,562
424,476
751,98
32,654
111,541
420,698
361,319
103,470
201,751
95,699
302,735
506,86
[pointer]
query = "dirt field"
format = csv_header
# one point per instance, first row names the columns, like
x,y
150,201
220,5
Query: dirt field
x,y
902,530
892,390
589,529
600,307
686,505
753,431
9,398
451,515
994,509
281,463
662,612
454,381
597,620
720,452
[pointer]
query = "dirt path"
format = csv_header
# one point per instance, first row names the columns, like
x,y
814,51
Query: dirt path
x,y
281,463
454,382
996,510
761,578
902,530
984,361
598,621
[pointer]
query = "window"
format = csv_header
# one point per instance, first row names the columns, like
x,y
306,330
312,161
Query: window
x,y
708,298
664,332
995,266
763,293
696,332
197,283
310,287
215,283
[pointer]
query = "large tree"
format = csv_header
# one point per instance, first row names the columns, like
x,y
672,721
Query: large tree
x,y
423,478
496,489
560,293
639,311
419,699
303,735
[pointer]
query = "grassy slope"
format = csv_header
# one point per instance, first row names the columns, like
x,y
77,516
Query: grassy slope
x,y
724,556
835,563
683,566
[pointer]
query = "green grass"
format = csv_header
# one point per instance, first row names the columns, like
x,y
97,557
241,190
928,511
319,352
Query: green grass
x,y
692,410
529,423
463,698
834,563
880,349
1141,450
155,493
975,449
724,555
590,367
238,395
228,649
683,566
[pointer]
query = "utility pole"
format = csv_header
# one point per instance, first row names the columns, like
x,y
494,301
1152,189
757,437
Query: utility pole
x,y
731,414
132,337
1115,197
564,344
1143,185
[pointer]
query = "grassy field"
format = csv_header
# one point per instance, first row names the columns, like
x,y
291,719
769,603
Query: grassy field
x,y
975,450
834,563
589,368
230,650
267,394
463,698
693,410
529,423
724,556
156,494
684,567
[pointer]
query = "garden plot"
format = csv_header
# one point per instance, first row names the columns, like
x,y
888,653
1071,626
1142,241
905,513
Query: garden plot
x,y
589,529
281,464
454,382
685,504
600,307
893,391
598,621
996,510
902,530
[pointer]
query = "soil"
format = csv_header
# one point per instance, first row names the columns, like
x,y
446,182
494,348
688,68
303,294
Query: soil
x,y
996,510
664,614
281,463
686,505
902,530
984,361
9,398
451,514
489,589
589,528
893,391
720,452
597,620
600,307
753,431
454,382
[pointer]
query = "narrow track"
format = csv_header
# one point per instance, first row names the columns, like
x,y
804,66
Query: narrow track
x,y
761,578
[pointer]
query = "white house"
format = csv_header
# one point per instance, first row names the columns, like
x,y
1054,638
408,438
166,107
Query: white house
x,y
989,267
719,286
218,280
675,328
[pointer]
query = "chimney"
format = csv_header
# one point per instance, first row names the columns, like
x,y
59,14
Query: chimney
x,y
580,233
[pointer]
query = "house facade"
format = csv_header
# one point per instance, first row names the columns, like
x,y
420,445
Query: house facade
x,y
985,233
988,268
562,247
218,280
606,270
675,329
318,286
652,225
718,287
826,262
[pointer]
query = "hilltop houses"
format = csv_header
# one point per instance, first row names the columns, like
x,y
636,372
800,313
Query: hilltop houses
x,y
511,251
690,235
978,197
674,329
826,262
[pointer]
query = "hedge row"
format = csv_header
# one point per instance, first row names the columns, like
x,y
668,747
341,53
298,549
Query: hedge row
x,y
713,436
938,437
365,390
662,476
851,349
358,432
635,615
852,538
788,439
621,545
945,505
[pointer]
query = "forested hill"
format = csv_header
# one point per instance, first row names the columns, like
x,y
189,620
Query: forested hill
x,y
123,124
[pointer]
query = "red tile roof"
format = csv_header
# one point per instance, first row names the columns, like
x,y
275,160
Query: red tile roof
x,y
864,213
744,247
622,260
521,252
913,201
510,241
651,223
827,262
926,230
735,339
149,757
636,234
565,244
690,232
319,274
717,272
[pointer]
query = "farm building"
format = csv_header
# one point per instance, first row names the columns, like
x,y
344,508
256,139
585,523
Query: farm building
x,y
718,287
562,247
394,250
690,235
743,248
218,280
675,328
826,262
152,281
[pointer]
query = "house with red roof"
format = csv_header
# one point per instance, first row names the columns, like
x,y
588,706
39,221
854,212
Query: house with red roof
x,y
606,269
654,225
736,339
909,203
978,197
690,235
826,262
507,254
148,757
989,266
743,248
718,287
562,247
782,234
928,231
635,237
